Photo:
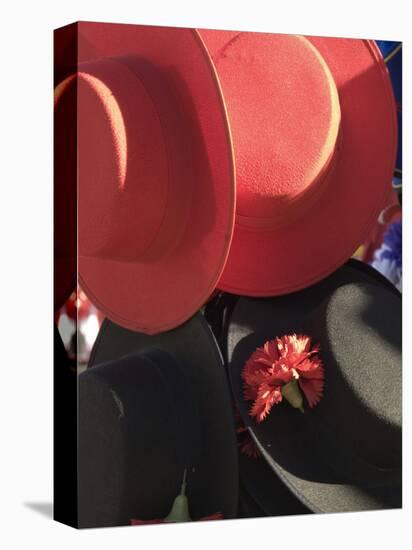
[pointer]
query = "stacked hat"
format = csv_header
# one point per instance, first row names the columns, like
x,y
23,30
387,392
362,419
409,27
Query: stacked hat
x,y
313,123
317,379
156,190
169,119
223,180
151,408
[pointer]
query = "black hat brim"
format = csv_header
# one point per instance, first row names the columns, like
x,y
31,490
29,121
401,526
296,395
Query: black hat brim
x,y
195,350
295,457
267,490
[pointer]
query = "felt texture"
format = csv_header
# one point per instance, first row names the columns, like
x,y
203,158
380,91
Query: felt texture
x,y
155,170
307,197
218,311
301,93
345,453
131,462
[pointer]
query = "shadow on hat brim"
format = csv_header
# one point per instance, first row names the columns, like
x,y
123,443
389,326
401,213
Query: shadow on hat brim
x,y
195,350
314,483
219,309
179,282
372,273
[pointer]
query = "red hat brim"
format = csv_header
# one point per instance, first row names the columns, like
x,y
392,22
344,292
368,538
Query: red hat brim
x,y
285,259
155,296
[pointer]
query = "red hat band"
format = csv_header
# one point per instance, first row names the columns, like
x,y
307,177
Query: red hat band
x,y
275,187
132,135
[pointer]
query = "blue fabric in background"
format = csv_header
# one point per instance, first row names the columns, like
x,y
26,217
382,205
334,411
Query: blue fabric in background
x,y
393,241
394,65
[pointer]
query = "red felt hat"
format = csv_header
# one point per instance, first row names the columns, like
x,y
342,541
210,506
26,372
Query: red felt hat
x,y
313,122
156,189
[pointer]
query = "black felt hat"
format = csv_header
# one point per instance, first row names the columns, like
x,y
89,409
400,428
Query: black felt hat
x,y
151,407
345,453
263,493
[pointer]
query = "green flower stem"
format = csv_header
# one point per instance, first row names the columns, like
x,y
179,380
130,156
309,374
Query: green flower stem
x,y
293,395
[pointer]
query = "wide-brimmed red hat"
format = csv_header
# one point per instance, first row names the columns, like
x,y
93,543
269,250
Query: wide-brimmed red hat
x,y
313,123
156,191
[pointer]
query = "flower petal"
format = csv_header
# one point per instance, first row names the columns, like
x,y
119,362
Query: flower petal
x,y
294,343
267,397
312,388
271,350
277,363
281,373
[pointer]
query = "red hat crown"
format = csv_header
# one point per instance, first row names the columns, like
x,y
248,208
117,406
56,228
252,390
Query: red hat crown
x,y
132,135
284,174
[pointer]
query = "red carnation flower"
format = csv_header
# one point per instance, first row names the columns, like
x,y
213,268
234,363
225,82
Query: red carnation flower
x,y
280,369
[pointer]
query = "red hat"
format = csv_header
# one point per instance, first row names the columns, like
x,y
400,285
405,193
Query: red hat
x,y
156,191
313,123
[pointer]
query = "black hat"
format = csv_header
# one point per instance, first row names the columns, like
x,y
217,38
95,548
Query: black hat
x,y
345,453
263,493
153,409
